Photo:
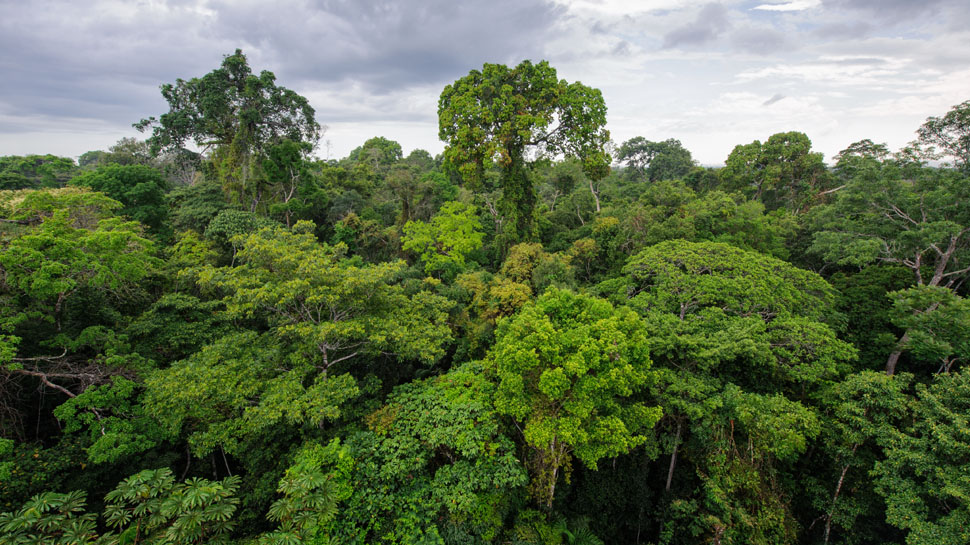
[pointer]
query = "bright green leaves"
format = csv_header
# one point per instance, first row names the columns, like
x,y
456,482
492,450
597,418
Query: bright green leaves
x,y
148,508
310,495
501,115
235,389
924,476
435,459
155,509
566,367
331,309
49,519
682,277
443,243
117,423
321,314
740,342
56,258
938,324
68,275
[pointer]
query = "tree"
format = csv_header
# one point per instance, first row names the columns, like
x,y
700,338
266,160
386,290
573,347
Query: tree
x,y
310,495
236,115
951,133
782,172
141,189
288,172
504,116
923,477
666,160
319,314
435,458
738,342
853,159
35,171
378,153
71,247
937,321
922,224
860,413
442,244
566,368
230,104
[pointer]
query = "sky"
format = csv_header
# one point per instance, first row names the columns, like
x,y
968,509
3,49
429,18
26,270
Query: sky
x,y
74,76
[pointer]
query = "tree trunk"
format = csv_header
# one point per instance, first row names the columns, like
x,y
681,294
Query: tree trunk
x,y
894,357
835,498
596,196
673,457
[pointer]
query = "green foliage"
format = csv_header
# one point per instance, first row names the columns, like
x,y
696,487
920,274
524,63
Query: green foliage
x,y
949,136
194,206
150,507
453,233
49,519
82,207
35,171
655,161
500,115
670,210
738,341
859,156
782,172
140,189
176,326
238,389
228,103
310,496
534,528
378,154
528,264
435,459
332,308
923,477
919,224
468,397
860,413
937,322
117,423
566,367
680,278
229,223
861,297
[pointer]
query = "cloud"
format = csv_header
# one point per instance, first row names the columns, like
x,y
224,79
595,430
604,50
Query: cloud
x,y
711,22
775,98
896,10
760,40
105,60
795,5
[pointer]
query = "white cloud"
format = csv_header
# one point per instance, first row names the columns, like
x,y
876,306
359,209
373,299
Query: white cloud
x,y
795,5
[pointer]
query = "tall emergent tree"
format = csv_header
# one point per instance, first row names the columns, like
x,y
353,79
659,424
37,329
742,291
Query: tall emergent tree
x,y
654,161
781,172
949,136
233,116
510,116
